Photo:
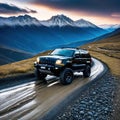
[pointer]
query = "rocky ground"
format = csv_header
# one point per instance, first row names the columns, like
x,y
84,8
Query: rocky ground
x,y
116,113
99,102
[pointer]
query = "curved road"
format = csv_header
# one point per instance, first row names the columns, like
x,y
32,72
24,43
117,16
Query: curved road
x,y
33,100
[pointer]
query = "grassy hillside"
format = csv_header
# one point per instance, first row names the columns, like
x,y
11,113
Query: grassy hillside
x,y
107,50
18,68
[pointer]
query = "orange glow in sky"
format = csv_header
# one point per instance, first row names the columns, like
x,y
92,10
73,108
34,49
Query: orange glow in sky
x,y
45,12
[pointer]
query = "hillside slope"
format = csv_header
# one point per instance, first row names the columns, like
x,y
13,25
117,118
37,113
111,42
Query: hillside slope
x,y
35,39
8,55
108,50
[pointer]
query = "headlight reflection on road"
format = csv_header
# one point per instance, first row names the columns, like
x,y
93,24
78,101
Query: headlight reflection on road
x,y
15,97
54,83
9,91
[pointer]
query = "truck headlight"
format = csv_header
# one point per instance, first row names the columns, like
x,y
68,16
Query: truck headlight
x,y
38,59
58,62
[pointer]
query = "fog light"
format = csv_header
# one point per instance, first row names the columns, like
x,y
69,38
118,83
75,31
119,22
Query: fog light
x,y
56,68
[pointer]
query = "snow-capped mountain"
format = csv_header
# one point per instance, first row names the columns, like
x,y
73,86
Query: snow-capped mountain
x,y
58,20
62,20
20,20
110,27
84,23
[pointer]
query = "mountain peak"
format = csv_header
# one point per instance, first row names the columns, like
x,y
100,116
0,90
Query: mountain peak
x,y
82,20
58,20
19,20
62,20
25,17
60,17
84,23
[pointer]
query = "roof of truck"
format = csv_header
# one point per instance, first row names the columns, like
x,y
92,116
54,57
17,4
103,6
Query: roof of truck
x,y
72,48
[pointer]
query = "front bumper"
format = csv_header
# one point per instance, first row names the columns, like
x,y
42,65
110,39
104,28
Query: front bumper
x,y
48,69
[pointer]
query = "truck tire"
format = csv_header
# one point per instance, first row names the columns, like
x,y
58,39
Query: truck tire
x,y
87,71
66,77
39,75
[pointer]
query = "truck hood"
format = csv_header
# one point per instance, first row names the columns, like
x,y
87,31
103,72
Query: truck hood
x,y
55,57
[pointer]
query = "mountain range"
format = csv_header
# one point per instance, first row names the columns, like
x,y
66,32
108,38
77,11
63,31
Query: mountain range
x,y
110,27
58,20
27,34
61,20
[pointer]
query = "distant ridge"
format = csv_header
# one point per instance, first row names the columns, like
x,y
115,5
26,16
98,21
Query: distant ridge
x,y
8,55
110,27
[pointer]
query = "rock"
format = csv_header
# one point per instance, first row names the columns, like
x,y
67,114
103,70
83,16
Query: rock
x,y
90,101
90,113
94,93
82,112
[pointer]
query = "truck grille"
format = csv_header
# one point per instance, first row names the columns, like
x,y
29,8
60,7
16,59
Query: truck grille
x,y
48,61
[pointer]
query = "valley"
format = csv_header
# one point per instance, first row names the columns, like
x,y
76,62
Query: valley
x,y
30,35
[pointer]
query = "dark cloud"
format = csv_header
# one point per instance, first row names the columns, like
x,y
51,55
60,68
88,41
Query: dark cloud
x,y
11,9
95,6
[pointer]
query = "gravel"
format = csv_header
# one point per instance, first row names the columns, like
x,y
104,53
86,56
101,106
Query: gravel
x,y
95,103
116,113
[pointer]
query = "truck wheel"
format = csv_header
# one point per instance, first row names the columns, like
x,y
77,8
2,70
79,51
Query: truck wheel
x,y
39,75
87,71
66,77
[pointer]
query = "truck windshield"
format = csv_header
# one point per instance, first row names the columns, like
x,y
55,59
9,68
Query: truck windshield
x,y
63,52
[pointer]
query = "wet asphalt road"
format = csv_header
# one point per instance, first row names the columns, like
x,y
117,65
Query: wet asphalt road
x,y
31,101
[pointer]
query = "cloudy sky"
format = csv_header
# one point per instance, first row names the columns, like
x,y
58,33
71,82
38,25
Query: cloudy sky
x,y
96,11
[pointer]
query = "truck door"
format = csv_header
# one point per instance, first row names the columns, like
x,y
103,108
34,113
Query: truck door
x,y
76,61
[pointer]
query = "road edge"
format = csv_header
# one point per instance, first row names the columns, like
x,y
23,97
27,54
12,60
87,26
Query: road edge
x,y
53,112
16,80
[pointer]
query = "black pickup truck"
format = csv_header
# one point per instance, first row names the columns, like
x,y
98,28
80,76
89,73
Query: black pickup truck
x,y
63,62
